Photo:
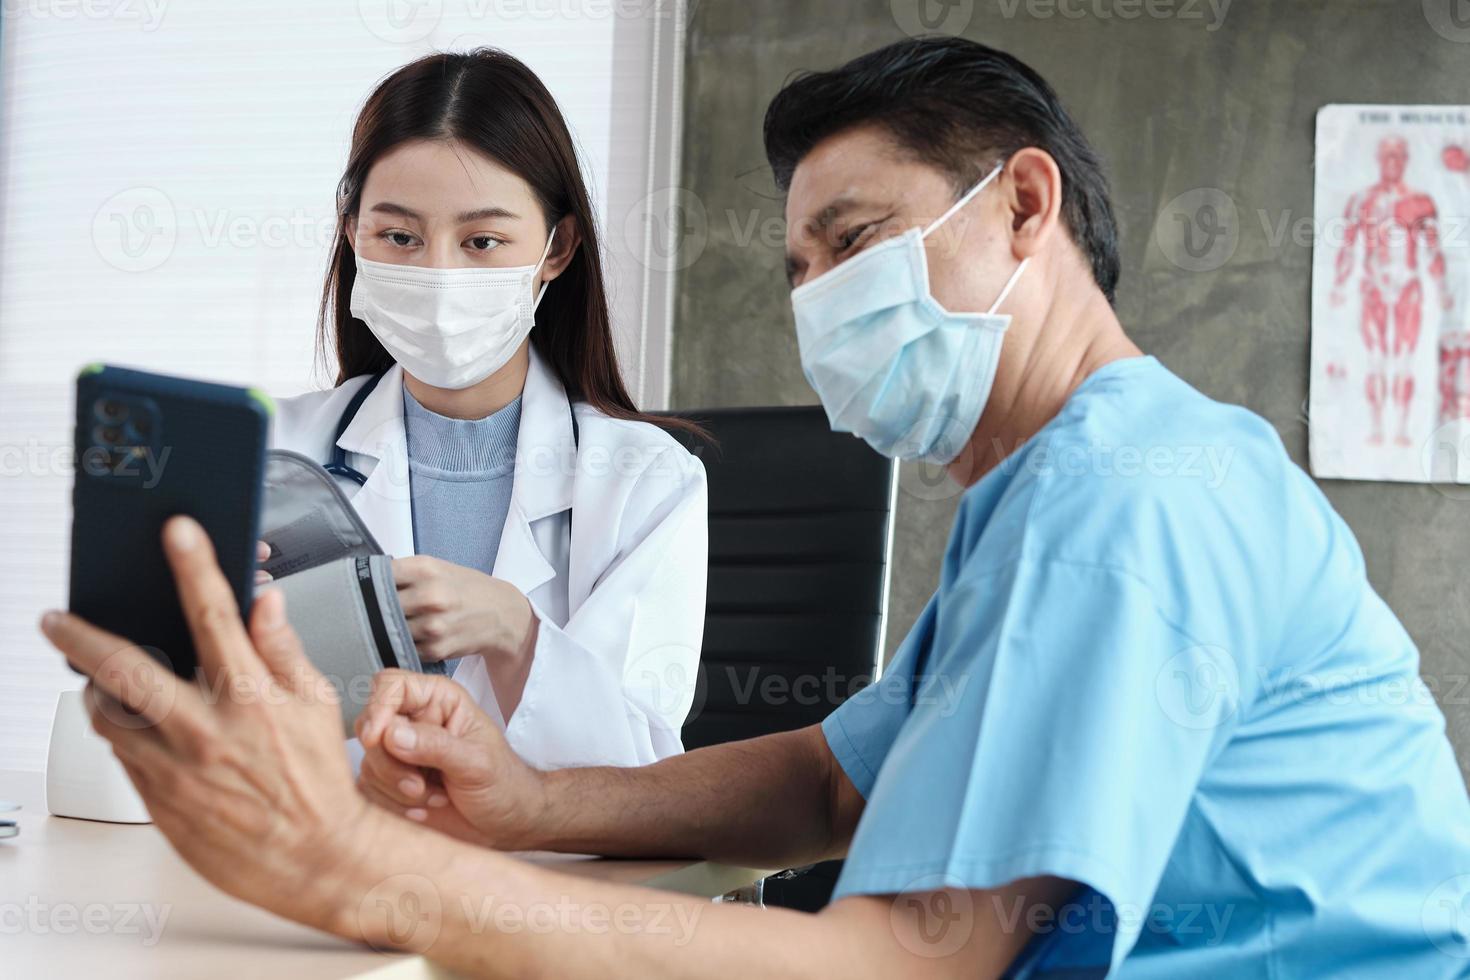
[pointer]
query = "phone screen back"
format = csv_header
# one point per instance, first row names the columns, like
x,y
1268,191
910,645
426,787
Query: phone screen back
x,y
149,447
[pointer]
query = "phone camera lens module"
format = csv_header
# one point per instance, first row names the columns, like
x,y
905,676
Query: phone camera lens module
x,y
107,435
111,410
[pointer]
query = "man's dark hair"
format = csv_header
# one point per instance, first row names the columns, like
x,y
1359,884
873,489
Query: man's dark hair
x,y
958,106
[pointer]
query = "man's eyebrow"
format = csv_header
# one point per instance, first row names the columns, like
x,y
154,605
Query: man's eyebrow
x,y
823,220
835,209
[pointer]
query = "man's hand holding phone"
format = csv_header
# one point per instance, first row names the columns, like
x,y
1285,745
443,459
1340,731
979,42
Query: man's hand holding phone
x,y
253,790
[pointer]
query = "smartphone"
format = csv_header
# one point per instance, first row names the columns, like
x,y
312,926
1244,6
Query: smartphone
x,y
148,447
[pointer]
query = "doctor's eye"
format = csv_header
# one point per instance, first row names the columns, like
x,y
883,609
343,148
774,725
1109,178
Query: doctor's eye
x,y
399,238
482,243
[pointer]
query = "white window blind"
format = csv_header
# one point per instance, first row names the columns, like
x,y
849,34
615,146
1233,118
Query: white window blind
x,y
167,171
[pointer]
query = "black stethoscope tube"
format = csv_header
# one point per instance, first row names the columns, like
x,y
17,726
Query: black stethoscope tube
x,y
338,466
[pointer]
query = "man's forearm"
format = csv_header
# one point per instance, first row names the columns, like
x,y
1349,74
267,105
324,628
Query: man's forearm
x,y
485,914
533,922
776,801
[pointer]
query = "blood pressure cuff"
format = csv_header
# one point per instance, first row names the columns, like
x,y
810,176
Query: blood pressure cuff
x,y
306,517
347,615
338,584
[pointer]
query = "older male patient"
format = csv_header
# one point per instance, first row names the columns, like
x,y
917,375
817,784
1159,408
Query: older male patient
x,y
1107,744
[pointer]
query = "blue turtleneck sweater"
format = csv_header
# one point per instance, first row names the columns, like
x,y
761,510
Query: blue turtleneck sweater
x,y
460,474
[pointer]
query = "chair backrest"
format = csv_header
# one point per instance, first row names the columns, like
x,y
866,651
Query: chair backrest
x,y
800,520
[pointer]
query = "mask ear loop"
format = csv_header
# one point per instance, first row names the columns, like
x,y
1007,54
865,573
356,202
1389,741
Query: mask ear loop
x,y
969,196
1006,290
545,252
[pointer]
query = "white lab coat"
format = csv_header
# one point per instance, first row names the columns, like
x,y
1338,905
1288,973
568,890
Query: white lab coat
x,y
620,600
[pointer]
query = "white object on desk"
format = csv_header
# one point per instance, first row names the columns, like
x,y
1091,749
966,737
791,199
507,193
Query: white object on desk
x,y
83,777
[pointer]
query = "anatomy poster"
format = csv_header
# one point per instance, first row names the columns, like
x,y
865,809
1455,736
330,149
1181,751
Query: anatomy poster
x,y
1390,386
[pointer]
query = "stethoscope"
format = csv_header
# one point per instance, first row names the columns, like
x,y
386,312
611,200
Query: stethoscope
x,y
338,466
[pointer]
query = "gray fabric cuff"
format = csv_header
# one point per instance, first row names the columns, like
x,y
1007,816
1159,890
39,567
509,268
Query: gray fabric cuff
x,y
338,585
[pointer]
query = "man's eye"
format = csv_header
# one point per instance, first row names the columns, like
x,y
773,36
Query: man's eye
x,y
483,243
854,236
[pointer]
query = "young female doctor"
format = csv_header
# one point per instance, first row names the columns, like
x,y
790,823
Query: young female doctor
x,y
550,540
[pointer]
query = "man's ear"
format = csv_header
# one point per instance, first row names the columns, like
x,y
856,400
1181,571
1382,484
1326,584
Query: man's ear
x,y
563,249
1034,198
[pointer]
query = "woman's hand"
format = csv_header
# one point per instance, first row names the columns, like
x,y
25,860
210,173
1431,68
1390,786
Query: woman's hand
x,y
253,790
433,756
455,611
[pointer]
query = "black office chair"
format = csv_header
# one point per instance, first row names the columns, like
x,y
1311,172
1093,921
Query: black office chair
x,y
800,523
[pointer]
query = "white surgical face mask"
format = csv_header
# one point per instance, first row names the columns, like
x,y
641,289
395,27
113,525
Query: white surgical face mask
x,y
889,363
450,328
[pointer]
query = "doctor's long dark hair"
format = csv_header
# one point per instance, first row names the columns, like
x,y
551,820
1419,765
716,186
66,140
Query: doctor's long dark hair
x,y
488,100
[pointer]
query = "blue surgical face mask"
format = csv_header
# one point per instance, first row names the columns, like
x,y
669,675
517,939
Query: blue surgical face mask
x,y
889,363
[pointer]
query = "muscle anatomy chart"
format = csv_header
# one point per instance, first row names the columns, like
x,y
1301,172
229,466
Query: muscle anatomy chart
x,y
1390,386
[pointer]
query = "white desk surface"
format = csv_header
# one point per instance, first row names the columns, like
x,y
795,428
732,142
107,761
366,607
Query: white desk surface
x,y
74,896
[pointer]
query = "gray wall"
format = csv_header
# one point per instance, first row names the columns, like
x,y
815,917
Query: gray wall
x,y
1172,103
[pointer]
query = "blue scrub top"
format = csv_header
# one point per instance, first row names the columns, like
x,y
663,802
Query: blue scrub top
x,y
1154,666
